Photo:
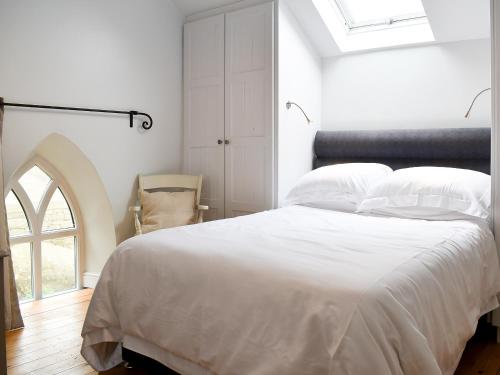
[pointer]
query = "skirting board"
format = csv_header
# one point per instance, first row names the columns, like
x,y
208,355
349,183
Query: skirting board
x,y
90,279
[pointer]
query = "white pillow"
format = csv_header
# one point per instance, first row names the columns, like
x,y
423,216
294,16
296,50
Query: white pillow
x,y
431,193
337,187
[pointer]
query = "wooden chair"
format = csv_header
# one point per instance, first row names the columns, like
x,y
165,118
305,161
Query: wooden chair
x,y
169,183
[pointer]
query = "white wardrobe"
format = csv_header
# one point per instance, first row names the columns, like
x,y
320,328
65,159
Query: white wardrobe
x,y
229,109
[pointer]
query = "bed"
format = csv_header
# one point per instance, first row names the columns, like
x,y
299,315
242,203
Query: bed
x,y
302,290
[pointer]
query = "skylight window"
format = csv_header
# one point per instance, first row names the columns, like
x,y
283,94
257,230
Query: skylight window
x,y
367,24
366,13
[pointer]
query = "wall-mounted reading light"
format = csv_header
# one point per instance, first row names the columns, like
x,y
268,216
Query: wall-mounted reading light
x,y
289,105
474,101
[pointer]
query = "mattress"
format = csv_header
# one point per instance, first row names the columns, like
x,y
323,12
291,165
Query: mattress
x,y
296,290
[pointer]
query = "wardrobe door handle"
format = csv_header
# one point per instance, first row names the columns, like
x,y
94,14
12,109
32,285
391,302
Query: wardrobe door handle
x,y
226,141
219,141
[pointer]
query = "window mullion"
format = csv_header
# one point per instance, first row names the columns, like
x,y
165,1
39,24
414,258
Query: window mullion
x,y
37,267
37,243
45,203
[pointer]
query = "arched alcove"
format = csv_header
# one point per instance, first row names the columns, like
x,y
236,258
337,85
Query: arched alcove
x,y
80,175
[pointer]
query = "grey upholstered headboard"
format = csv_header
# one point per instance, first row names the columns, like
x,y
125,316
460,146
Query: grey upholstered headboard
x,y
468,148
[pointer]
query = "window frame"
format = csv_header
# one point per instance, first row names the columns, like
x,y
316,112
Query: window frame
x,y
376,24
35,222
418,32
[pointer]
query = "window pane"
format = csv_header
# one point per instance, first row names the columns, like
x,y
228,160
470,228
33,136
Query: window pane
x,y
58,214
16,217
21,257
365,11
58,265
35,183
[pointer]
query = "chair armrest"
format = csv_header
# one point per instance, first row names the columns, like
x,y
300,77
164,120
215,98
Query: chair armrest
x,y
134,209
203,208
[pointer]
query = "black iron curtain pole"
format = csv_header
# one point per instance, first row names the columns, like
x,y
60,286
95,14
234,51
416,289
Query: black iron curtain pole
x,y
145,124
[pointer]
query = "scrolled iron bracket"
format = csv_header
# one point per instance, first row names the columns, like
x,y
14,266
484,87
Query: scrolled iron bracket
x,y
146,125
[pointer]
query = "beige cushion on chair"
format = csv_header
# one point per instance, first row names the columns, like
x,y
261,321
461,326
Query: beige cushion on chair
x,y
162,210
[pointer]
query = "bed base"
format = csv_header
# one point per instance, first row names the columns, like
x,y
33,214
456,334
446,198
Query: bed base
x,y
148,365
142,354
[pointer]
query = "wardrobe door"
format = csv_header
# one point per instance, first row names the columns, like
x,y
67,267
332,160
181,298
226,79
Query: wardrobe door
x,y
204,109
249,110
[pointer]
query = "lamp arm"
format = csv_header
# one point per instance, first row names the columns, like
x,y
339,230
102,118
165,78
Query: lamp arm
x,y
474,101
289,105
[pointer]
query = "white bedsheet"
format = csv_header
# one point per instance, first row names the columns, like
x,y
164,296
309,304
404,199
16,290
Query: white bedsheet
x,y
298,290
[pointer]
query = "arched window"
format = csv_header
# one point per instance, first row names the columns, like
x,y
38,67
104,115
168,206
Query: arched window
x,y
44,232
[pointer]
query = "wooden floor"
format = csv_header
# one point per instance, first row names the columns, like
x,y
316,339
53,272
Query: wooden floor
x,y
482,354
50,342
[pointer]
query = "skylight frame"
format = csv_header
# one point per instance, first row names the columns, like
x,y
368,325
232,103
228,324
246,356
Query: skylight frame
x,y
397,34
377,23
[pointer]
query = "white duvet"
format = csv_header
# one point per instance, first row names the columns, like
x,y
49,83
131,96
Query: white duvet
x,y
297,290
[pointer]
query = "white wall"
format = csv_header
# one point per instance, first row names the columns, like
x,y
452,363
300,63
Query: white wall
x,y
299,81
420,87
124,54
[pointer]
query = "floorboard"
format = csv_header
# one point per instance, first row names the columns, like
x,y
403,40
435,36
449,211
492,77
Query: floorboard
x,y
50,343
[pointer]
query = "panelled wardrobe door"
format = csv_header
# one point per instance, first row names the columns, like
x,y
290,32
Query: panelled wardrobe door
x,y
249,110
204,109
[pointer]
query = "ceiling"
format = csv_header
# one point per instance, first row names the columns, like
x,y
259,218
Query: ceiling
x,y
188,7
450,20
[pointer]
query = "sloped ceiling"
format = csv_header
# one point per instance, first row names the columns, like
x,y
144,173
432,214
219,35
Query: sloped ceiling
x,y
451,21
454,20
188,7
